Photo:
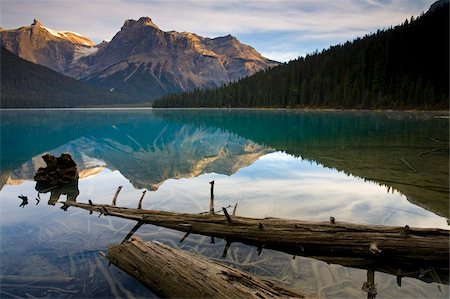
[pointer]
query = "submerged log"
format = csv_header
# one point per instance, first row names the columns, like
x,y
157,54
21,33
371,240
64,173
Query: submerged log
x,y
387,249
175,273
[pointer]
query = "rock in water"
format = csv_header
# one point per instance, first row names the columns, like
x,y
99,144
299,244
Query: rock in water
x,y
59,171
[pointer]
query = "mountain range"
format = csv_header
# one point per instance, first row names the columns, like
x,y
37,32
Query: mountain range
x,y
141,61
401,67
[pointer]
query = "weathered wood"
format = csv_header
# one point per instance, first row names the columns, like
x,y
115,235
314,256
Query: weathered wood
x,y
115,195
397,248
133,230
175,273
184,237
234,209
140,200
211,198
370,286
24,200
225,212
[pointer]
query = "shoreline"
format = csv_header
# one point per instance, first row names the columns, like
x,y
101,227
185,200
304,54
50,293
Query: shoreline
x,y
229,109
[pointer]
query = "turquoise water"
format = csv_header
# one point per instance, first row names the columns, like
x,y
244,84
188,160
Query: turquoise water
x,y
364,167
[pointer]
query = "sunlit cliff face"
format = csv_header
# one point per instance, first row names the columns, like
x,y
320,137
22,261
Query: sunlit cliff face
x,y
141,60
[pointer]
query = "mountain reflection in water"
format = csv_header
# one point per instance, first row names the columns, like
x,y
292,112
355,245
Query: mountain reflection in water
x,y
406,151
271,162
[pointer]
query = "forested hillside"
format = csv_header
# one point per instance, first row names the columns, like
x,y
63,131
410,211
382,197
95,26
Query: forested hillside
x,y
28,85
402,67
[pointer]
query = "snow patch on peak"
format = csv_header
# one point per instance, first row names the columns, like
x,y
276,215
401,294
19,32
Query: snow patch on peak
x,y
70,36
84,51
71,32
52,32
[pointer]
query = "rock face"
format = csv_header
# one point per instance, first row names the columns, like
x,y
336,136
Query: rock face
x,y
144,61
59,171
56,50
141,60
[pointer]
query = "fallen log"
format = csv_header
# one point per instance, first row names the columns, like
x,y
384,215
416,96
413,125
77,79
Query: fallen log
x,y
421,253
174,273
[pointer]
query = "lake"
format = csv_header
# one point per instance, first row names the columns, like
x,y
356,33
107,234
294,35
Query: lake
x,y
388,168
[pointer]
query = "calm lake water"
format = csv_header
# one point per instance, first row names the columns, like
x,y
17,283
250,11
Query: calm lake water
x,y
364,167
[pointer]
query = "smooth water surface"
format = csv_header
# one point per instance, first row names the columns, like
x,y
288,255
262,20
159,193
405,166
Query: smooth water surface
x,y
364,167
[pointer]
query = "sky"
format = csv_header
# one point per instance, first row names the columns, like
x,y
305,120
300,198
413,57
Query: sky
x,y
280,30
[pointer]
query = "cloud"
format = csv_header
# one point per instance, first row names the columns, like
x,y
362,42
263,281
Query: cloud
x,y
284,186
315,24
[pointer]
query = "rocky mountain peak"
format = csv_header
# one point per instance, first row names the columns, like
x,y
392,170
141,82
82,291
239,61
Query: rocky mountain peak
x,y
36,23
141,60
228,36
142,22
45,46
229,39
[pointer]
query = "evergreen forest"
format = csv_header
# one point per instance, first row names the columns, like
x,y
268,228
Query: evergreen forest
x,y
28,85
402,67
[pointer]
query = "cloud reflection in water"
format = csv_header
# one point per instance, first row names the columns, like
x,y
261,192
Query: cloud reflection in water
x,y
281,185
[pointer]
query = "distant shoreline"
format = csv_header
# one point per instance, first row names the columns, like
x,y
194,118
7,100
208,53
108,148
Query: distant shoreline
x,y
229,109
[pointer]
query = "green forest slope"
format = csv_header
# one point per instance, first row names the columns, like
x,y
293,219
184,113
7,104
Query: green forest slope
x,y
28,85
405,67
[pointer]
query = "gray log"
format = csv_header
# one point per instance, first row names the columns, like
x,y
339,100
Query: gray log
x,y
175,273
388,249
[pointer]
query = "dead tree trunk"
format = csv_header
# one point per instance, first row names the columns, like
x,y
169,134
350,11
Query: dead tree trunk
x,y
175,273
388,249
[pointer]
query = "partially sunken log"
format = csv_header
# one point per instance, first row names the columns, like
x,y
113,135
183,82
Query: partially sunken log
x,y
422,253
174,273
59,172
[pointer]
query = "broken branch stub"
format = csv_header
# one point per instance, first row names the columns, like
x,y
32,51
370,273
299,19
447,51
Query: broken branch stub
x,y
227,215
115,195
211,198
140,200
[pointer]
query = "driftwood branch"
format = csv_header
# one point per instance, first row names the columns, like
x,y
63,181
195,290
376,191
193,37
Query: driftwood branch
x,y
211,198
174,273
132,231
387,249
234,209
115,195
227,215
140,200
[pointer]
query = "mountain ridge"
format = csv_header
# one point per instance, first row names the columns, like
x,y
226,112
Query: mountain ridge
x,y
402,67
50,48
141,61
146,61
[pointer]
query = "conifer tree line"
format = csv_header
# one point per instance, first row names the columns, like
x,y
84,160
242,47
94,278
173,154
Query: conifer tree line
x,y
403,67
28,85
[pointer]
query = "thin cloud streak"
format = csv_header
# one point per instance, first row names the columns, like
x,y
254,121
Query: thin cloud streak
x,y
314,24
